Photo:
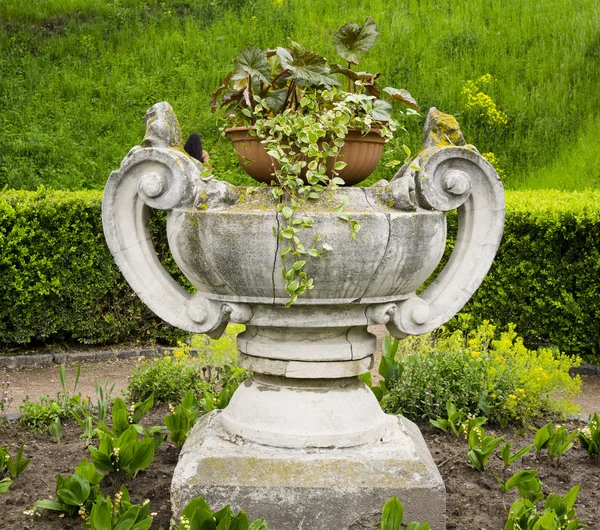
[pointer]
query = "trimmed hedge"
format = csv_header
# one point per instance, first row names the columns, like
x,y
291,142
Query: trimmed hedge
x,y
58,281
546,275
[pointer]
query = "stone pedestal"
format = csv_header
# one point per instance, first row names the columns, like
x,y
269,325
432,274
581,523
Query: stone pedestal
x,y
311,488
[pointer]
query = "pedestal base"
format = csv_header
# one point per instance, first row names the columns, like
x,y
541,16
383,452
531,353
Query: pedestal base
x,y
316,489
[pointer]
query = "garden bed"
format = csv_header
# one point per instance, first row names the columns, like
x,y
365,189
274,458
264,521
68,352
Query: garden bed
x,y
474,499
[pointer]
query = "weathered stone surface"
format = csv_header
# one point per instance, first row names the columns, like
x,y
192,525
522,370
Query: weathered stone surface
x,y
305,443
286,412
316,489
25,360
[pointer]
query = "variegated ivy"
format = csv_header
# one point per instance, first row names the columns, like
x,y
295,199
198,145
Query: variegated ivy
x,y
297,107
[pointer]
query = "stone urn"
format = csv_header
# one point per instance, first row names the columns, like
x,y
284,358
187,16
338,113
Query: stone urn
x,y
304,443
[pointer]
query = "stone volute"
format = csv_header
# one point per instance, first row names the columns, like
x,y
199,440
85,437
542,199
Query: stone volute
x,y
305,406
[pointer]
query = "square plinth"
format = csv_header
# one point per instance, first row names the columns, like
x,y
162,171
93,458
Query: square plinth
x,y
311,489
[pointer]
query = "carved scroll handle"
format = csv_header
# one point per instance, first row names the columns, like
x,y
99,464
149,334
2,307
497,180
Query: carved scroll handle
x,y
159,175
454,177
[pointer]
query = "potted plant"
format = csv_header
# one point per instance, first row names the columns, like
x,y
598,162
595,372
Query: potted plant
x,y
304,126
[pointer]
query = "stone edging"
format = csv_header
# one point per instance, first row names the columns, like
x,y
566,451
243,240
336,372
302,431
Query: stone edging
x,y
18,361
585,369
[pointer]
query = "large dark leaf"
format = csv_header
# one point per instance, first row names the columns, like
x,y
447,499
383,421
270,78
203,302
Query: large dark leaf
x,y
232,97
276,100
381,111
306,68
251,61
399,94
352,39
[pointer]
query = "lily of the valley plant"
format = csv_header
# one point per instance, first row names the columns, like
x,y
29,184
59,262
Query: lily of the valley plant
x,y
301,108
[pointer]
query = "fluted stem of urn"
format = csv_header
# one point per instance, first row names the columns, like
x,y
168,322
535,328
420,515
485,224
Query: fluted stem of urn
x,y
305,391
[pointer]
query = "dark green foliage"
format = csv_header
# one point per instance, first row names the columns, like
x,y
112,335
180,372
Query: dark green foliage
x,y
545,276
58,281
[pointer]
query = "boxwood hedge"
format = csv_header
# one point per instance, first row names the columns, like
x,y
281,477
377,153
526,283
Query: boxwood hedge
x,y
546,275
58,281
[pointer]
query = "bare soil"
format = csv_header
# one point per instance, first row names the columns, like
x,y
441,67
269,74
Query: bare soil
x,y
34,381
474,500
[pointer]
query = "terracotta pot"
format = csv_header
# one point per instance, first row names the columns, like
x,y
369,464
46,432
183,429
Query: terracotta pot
x,y
360,152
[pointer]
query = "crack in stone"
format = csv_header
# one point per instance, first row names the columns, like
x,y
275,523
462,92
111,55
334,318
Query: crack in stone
x,y
348,340
368,199
387,246
275,257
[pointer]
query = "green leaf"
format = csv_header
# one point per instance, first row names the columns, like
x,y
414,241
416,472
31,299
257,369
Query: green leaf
x,y
367,379
142,455
327,246
87,470
127,520
63,377
129,435
352,40
140,409
75,490
276,99
48,504
259,524
392,514
542,436
399,94
100,515
239,522
5,484
292,286
252,61
144,524
440,423
475,458
306,68
570,498
202,520
381,111
193,505
287,212
521,453
120,421
298,265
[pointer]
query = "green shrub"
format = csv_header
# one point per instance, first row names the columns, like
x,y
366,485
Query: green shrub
x,y
545,276
481,373
58,281
172,377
